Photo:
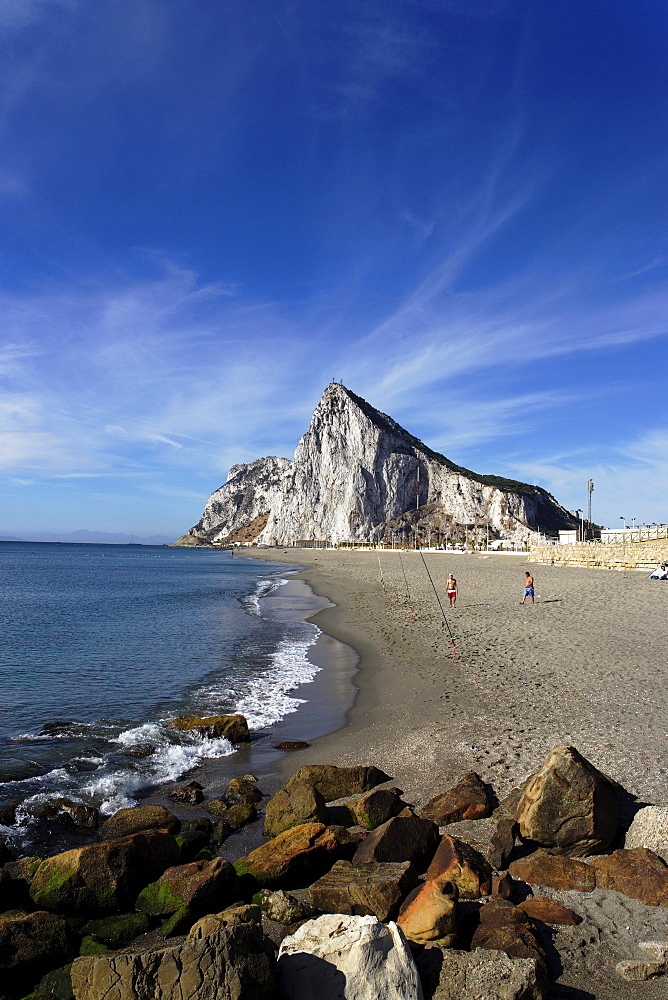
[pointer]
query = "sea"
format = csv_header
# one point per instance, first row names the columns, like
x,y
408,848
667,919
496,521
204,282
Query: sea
x,y
101,646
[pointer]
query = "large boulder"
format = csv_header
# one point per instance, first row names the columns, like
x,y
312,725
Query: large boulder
x,y
102,878
30,943
376,807
292,806
338,782
231,727
504,927
428,915
135,818
649,829
375,889
447,974
232,963
297,855
568,806
74,815
202,886
470,798
458,862
339,957
638,873
405,837
241,790
555,872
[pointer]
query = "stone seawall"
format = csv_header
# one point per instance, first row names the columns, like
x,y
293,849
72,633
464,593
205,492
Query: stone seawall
x,y
595,555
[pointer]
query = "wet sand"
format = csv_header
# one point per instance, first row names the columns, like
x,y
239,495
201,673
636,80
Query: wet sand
x,y
585,665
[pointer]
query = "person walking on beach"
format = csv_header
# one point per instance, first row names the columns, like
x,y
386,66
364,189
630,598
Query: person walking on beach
x,y
528,587
451,589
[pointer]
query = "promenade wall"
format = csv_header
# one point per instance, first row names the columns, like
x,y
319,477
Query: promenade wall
x,y
620,555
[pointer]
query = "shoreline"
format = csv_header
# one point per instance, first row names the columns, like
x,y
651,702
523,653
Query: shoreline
x,y
583,666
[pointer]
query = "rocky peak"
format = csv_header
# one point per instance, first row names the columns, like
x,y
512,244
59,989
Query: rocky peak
x,y
356,469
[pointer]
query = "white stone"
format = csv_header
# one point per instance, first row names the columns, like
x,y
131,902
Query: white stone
x,y
337,957
650,829
354,469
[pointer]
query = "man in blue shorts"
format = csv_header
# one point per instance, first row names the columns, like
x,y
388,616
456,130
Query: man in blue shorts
x,y
528,588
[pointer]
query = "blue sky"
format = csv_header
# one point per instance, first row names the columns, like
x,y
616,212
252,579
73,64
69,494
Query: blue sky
x,y
211,208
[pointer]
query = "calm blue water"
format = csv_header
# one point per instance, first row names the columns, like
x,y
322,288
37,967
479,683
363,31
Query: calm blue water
x,y
111,642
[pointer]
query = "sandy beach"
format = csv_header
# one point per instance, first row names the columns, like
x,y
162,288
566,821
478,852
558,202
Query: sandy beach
x,y
584,665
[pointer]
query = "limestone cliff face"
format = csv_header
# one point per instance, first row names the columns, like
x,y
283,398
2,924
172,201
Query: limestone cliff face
x,y
356,468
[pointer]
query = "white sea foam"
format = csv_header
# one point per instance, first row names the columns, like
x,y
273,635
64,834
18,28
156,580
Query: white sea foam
x,y
266,698
252,602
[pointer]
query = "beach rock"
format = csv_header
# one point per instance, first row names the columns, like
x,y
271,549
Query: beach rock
x,y
299,803
101,878
338,782
55,984
638,873
550,912
229,964
8,813
291,745
128,821
232,817
371,889
190,794
554,871
30,944
428,915
503,843
242,791
245,913
470,798
649,829
457,862
178,923
568,806
5,853
283,907
478,975
504,927
190,844
502,886
117,931
298,854
74,815
199,885
654,963
376,807
403,838
200,823
230,727
347,958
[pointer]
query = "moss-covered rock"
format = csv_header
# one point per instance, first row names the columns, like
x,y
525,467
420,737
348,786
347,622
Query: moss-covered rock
x,y
119,930
180,922
102,878
190,844
200,885
30,944
125,822
232,727
57,984
158,898
91,946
